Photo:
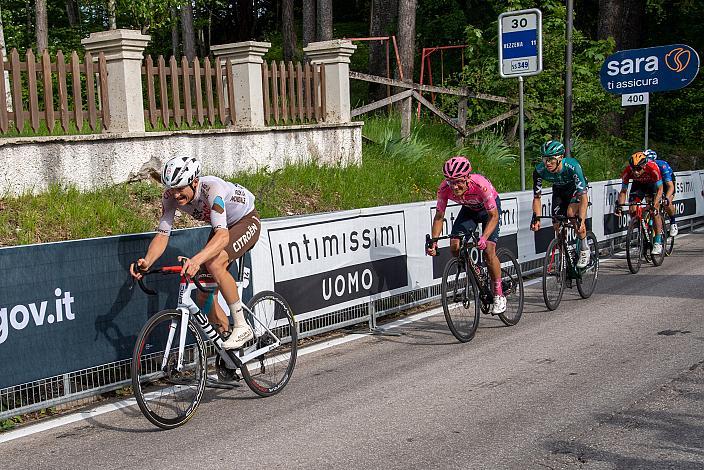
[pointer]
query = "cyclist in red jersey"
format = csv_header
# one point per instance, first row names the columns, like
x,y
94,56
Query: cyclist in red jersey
x,y
480,204
647,184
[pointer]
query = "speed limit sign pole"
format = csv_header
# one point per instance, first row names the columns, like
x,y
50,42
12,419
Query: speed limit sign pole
x,y
521,55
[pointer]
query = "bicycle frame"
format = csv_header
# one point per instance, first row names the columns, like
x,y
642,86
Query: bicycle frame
x,y
188,308
566,223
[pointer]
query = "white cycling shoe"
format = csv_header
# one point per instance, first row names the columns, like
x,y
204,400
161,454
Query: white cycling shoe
x,y
239,336
499,305
583,260
674,230
657,248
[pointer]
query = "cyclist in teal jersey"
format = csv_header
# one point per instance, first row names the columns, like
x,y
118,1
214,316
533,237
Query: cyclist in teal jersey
x,y
569,191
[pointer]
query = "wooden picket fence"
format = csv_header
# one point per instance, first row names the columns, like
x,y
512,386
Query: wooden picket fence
x,y
293,93
186,94
40,92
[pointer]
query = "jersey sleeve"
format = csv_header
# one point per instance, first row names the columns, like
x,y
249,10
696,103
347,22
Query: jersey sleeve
x,y
441,204
537,183
216,203
168,211
666,172
625,178
486,193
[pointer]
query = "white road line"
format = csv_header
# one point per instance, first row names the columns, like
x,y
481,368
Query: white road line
x,y
68,419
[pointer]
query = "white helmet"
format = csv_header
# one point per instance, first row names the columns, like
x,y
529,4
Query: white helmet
x,y
180,171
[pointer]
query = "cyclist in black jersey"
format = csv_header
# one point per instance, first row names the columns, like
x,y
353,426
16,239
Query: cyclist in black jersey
x,y
569,191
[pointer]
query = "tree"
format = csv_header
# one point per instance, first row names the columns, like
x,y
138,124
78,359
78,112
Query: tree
x,y
73,13
309,22
175,39
112,15
288,30
407,36
245,20
382,20
42,26
187,31
324,20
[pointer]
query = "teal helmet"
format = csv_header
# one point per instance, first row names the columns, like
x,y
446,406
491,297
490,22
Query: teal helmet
x,y
552,148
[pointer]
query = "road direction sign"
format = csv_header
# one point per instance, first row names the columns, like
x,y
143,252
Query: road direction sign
x,y
520,43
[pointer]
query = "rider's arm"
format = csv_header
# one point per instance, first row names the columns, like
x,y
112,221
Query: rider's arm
x,y
438,220
156,249
491,223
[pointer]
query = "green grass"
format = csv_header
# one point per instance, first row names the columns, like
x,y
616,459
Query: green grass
x,y
394,171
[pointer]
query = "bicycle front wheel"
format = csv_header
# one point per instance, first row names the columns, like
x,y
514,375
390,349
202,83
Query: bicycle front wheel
x,y
586,283
168,394
271,318
634,246
460,300
512,286
554,274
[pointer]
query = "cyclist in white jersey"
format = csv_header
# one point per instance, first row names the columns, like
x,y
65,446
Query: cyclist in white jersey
x,y
229,208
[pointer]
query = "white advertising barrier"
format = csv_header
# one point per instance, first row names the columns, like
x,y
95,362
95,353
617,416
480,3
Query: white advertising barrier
x,y
328,262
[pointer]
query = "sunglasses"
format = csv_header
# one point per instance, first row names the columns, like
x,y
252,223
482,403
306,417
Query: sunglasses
x,y
547,160
455,183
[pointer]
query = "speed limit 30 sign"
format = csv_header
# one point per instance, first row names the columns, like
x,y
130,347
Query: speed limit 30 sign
x,y
520,43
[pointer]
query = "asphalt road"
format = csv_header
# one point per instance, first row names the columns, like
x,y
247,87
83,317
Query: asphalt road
x,y
612,382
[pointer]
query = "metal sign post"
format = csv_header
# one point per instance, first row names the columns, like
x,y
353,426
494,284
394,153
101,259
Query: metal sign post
x,y
521,55
637,99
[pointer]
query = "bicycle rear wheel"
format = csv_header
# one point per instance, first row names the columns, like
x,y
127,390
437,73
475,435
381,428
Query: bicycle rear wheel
x,y
269,373
168,397
554,274
586,283
460,300
512,285
634,246
668,240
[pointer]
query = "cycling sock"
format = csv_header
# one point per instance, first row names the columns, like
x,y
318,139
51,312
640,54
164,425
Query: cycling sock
x,y
237,313
498,289
658,238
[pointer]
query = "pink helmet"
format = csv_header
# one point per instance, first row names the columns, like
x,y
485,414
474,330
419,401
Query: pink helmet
x,y
457,167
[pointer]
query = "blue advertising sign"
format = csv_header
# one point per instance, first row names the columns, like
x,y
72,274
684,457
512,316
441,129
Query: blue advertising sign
x,y
651,69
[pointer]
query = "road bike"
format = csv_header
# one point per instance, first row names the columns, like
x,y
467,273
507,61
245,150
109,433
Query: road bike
x,y
560,264
464,297
641,235
178,349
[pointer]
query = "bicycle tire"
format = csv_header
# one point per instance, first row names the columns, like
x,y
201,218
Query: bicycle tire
x,y
160,393
453,294
268,374
587,284
658,259
512,284
556,270
634,246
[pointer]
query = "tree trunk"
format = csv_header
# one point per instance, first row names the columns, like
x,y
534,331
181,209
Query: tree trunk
x,y
383,17
610,24
633,24
175,40
112,16
42,27
288,30
73,13
245,12
187,32
407,36
324,20
309,23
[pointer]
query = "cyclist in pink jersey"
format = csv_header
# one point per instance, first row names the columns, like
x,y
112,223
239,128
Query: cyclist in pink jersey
x,y
480,204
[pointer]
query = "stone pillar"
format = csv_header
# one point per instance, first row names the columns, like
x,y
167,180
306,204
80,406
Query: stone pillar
x,y
123,50
335,56
247,60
